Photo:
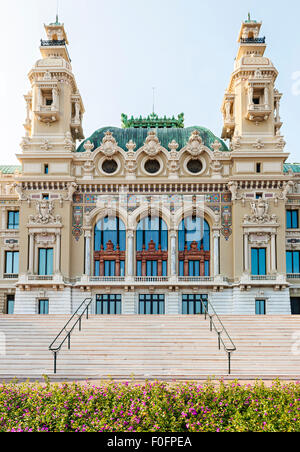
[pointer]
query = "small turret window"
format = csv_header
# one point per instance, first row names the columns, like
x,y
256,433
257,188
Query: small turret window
x,y
152,166
110,166
194,166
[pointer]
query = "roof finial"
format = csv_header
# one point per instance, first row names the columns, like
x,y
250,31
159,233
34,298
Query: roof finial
x,y
249,17
153,88
57,7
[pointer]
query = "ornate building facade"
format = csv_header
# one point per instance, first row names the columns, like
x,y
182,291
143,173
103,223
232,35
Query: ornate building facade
x,y
153,217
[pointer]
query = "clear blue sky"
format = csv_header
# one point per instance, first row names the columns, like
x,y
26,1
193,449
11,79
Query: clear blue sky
x,y
120,49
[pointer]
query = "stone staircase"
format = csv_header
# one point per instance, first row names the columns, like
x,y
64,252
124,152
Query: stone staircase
x,y
165,347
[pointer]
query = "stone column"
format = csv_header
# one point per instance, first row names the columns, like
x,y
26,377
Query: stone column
x,y
130,253
4,219
267,97
246,252
273,253
57,254
88,253
31,253
173,253
216,253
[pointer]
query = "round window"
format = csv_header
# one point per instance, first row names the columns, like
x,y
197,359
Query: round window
x,y
194,166
152,166
109,166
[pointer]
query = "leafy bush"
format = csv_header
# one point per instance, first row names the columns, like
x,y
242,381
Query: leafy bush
x,y
150,407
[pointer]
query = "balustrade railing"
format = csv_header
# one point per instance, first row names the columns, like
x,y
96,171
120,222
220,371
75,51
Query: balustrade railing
x,y
253,40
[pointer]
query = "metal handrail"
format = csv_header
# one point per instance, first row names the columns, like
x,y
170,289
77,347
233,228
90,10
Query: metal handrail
x,y
55,350
229,350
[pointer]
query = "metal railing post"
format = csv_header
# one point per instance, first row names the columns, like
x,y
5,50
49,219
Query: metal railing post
x,y
229,363
80,324
211,322
55,359
87,313
219,339
69,341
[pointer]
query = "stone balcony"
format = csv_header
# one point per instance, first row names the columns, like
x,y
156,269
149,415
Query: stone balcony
x,y
47,113
258,112
277,281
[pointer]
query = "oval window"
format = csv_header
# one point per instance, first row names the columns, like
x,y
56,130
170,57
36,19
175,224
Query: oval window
x,y
110,166
152,166
194,166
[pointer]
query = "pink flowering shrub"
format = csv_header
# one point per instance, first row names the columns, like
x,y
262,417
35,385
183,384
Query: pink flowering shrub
x,y
150,407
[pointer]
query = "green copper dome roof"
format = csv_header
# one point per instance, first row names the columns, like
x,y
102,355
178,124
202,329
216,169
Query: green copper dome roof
x,y
165,136
295,167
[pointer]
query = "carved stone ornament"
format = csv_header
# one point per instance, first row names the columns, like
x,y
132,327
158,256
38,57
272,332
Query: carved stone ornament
x,y
280,144
69,144
173,163
236,143
287,188
259,213
195,145
109,146
44,214
45,239
259,239
25,143
19,190
46,146
233,188
258,144
88,146
130,163
216,146
216,168
152,145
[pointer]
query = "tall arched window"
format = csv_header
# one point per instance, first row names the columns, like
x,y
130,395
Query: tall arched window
x,y
194,247
152,247
109,247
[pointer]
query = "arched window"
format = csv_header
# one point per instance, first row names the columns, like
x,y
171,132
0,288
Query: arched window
x,y
194,247
109,247
152,247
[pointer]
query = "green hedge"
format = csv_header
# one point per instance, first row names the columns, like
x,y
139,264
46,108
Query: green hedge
x,y
150,407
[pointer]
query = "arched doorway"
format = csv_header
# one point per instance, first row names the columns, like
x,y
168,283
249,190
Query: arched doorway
x,y
152,247
194,247
109,247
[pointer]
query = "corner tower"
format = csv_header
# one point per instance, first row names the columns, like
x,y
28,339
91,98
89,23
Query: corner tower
x,y
54,105
251,105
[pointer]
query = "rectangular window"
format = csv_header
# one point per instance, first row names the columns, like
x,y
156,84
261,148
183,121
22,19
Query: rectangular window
x,y
109,268
152,304
293,262
258,261
13,220
292,219
260,307
46,261
258,167
43,307
194,304
12,262
108,304
46,169
10,306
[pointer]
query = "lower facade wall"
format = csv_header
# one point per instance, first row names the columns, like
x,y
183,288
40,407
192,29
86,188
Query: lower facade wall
x,y
230,301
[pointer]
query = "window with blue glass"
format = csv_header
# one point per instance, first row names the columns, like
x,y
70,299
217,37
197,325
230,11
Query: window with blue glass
x,y
13,220
194,304
152,304
10,304
46,261
292,219
109,247
194,247
260,307
258,261
293,262
108,304
43,307
12,262
152,247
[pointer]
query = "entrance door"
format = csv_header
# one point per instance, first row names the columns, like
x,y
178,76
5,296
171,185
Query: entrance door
x,y
295,306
